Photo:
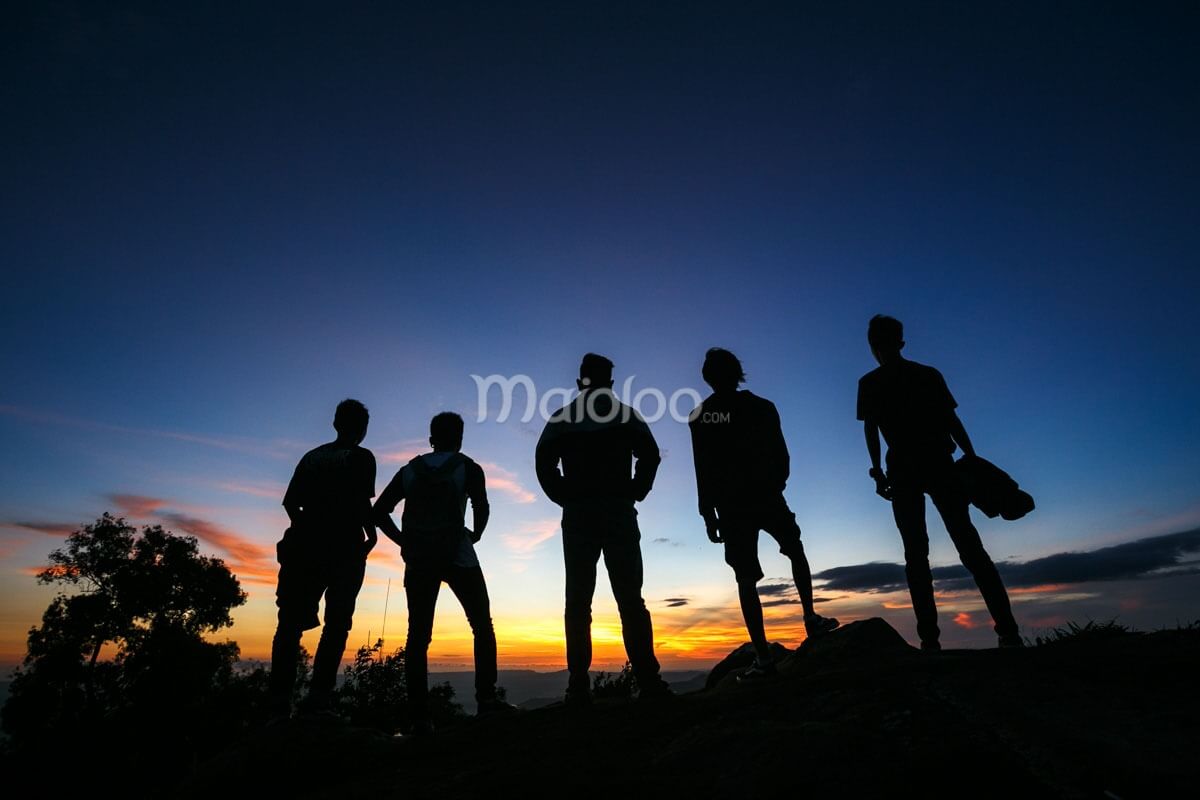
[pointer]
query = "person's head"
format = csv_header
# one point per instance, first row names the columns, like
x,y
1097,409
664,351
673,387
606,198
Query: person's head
x,y
886,337
722,370
350,421
595,372
446,431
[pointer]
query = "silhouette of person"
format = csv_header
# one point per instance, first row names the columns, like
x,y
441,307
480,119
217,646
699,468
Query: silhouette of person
x,y
323,553
742,467
910,404
437,546
594,438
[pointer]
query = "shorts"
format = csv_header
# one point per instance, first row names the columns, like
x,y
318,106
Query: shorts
x,y
306,575
740,525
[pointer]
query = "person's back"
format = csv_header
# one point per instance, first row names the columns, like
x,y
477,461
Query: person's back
x,y
329,485
913,409
597,439
739,447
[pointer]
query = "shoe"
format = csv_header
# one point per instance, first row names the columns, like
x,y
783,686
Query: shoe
x,y
931,646
816,625
1012,641
495,707
656,689
757,671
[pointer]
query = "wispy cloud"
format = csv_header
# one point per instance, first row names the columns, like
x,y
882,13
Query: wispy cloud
x,y
258,447
269,490
1143,558
48,528
675,602
666,541
505,481
963,620
527,539
248,559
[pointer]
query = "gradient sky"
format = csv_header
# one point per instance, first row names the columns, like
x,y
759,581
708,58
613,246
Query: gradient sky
x,y
219,221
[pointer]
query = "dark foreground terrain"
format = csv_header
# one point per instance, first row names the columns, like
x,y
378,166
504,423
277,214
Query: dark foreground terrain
x,y
859,713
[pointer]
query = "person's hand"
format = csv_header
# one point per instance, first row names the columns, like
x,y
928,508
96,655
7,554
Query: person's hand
x,y
369,545
882,487
475,537
714,530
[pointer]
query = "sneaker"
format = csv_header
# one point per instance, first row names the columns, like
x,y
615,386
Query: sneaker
x,y
656,689
816,625
495,707
931,646
757,671
1012,641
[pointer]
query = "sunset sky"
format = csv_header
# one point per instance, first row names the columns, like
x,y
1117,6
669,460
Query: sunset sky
x,y
220,221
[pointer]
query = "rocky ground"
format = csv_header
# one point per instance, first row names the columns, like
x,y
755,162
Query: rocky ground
x,y
859,713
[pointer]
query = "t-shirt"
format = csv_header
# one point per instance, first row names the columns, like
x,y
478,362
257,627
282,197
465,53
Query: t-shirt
x,y
912,406
738,448
333,485
471,483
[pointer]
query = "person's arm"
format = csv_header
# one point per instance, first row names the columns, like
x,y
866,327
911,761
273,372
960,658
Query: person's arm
x,y
645,450
779,459
546,459
366,516
386,504
959,434
477,492
871,431
708,509
292,502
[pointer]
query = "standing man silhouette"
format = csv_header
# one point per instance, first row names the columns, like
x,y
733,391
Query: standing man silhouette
x,y
742,466
323,553
437,546
910,404
594,438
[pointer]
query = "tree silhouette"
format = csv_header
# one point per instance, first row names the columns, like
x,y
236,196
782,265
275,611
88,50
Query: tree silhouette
x,y
150,596
374,693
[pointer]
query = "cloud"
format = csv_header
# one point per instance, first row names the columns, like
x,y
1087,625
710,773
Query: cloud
x,y
502,480
676,602
272,449
266,489
781,601
963,620
49,528
249,560
666,541
529,538
774,589
1143,558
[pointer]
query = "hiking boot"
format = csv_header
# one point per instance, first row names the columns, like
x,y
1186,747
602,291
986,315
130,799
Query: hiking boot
x,y
495,707
655,689
931,646
1011,641
759,670
816,625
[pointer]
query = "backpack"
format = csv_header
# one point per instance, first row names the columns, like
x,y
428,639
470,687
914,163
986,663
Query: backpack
x,y
432,522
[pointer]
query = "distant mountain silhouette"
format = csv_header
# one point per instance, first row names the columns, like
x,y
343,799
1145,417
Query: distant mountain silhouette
x,y
857,713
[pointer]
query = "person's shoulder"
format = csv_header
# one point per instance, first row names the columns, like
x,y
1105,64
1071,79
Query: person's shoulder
x,y
749,398
924,370
871,377
363,454
695,415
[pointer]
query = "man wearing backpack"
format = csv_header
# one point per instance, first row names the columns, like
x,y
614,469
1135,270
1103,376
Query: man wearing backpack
x,y
742,466
910,404
437,546
595,438
323,554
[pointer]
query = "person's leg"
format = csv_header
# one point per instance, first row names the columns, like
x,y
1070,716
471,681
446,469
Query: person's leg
x,y
581,551
345,580
623,560
780,523
908,508
954,508
470,588
421,588
298,596
741,553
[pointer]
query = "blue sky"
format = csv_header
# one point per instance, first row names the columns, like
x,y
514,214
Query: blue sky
x,y
219,222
